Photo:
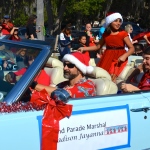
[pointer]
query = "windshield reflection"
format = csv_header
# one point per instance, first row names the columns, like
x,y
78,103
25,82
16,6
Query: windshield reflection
x,y
14,61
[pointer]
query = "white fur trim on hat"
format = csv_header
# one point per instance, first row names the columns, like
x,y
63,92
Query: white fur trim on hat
x,y
109,19
82,67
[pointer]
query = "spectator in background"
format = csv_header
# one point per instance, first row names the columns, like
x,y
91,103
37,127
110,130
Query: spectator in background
x,y
138,49
82,43
14,34
102,28
91,41
7,25
31,28
129,30
64,43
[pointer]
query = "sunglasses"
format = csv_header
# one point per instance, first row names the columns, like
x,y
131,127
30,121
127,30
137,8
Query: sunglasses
x,y
69,65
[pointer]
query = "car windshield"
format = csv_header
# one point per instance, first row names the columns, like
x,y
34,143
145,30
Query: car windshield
x,y
14,61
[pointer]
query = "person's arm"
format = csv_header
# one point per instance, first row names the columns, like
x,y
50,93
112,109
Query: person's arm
x,y
92,48
12,31
146,38
129,87
49,89
32,37
136,41
129,52
130,46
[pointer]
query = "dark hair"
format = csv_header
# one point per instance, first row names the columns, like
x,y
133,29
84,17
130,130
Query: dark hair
x,y
147,51
31,19
138,47
88,23
66,30
108,29
80,37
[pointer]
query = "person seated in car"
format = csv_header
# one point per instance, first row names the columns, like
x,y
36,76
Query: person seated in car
x,y
82,43
76,65
7,25
145,81
77,86
64,42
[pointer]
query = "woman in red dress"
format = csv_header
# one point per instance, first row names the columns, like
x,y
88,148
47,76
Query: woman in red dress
x,y
115,56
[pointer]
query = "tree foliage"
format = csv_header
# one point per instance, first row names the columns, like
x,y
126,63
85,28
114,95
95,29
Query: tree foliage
x,y
76,12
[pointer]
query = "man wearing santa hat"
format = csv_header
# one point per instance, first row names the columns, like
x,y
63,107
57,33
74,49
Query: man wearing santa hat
x,y
76,66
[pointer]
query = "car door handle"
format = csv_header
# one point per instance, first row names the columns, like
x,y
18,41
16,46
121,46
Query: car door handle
x,y
145,109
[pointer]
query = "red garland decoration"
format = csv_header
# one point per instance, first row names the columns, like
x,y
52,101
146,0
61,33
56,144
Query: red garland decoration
x,y
53,113
19,107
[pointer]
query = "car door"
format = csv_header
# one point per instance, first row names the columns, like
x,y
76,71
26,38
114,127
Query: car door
x,y
91,125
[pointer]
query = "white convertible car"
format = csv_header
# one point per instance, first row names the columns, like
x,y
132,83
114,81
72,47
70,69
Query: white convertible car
x,y
106,121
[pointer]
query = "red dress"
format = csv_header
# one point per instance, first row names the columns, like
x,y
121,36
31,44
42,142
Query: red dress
x,y
114,49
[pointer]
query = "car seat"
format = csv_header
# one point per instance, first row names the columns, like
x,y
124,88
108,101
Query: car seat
x,y
103,83
93,61
127,73
135,60
99,76
54,68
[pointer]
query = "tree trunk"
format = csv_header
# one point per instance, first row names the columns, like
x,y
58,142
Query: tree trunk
x,y
108,5
50,16
58,21
40,20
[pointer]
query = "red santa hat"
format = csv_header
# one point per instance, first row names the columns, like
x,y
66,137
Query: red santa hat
x,y
80,60
112,17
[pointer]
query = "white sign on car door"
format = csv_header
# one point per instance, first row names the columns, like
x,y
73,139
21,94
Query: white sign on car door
x,y
96,129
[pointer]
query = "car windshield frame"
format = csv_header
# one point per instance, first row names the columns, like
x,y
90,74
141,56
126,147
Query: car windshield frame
x,y
22,85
